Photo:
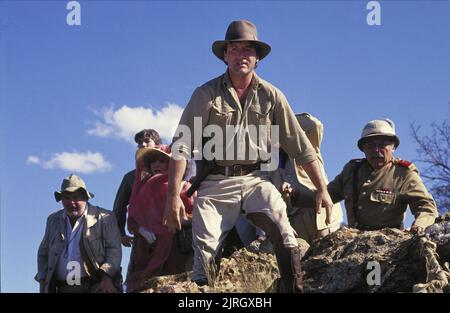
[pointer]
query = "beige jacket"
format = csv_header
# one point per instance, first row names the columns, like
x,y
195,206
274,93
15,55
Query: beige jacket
x,y
100,244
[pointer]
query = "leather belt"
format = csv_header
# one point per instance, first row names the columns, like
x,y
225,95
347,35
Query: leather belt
x,y
236,169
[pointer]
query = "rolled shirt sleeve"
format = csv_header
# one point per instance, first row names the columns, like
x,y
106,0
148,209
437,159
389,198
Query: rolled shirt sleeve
x,y
292,139
187,137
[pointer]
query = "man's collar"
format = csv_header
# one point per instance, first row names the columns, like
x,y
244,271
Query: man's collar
x,y
226,81
384,166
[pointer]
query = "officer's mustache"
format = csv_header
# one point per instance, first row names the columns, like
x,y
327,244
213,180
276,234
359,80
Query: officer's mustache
x,y
378,155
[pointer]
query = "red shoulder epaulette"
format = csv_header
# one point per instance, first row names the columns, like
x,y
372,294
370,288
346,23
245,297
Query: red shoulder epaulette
x,y
404,163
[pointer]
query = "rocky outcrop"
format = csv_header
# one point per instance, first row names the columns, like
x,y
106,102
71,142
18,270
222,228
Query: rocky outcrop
x,y
348,260
247,270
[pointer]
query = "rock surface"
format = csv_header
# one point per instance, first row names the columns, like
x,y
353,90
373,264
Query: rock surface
x,y
344,261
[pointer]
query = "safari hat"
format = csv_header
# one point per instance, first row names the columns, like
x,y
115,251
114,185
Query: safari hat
x,y
145,156
241,31
71,184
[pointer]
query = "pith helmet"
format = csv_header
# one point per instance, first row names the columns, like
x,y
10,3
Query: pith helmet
x,y
379,128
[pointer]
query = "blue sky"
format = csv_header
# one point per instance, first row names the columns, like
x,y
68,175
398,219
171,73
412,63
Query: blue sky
x,y
72,96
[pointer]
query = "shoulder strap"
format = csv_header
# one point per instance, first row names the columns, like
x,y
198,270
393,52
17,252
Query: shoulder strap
x,y
355,190
404,163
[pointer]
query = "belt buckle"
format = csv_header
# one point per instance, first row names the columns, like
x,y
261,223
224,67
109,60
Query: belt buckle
x,y
237,170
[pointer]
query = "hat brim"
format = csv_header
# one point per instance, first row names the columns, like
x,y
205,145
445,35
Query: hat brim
x,y
219,46
362,140
58,194
147,155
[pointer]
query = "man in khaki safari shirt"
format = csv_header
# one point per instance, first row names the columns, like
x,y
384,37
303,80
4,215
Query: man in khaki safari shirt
x,y
378,188
240,185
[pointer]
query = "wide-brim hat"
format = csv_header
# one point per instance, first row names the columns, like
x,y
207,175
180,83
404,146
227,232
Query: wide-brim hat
x,y
378,128
145,156
241,31
71,184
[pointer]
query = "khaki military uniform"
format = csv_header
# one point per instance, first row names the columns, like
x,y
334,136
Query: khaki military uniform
x,y
220,199
382,196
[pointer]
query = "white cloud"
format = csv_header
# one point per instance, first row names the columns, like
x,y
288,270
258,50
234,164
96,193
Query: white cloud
x,y
33,160
85,163
126,121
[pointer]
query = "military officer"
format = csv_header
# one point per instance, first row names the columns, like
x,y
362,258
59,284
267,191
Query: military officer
x,y
378,188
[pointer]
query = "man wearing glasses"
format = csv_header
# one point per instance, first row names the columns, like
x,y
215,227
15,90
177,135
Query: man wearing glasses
x,y
80,251
378,188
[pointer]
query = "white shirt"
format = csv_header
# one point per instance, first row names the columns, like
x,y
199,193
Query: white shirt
x,y
71,251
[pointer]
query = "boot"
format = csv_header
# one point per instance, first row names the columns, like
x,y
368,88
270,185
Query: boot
x,y
288,259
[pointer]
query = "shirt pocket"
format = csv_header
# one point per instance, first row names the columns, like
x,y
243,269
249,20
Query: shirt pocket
x,y
259,114
381,197
221,114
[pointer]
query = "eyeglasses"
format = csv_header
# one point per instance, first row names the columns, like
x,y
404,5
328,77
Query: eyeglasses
x,y
378,144
73,196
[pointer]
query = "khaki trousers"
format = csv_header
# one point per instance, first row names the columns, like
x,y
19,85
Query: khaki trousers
x,y
219,203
